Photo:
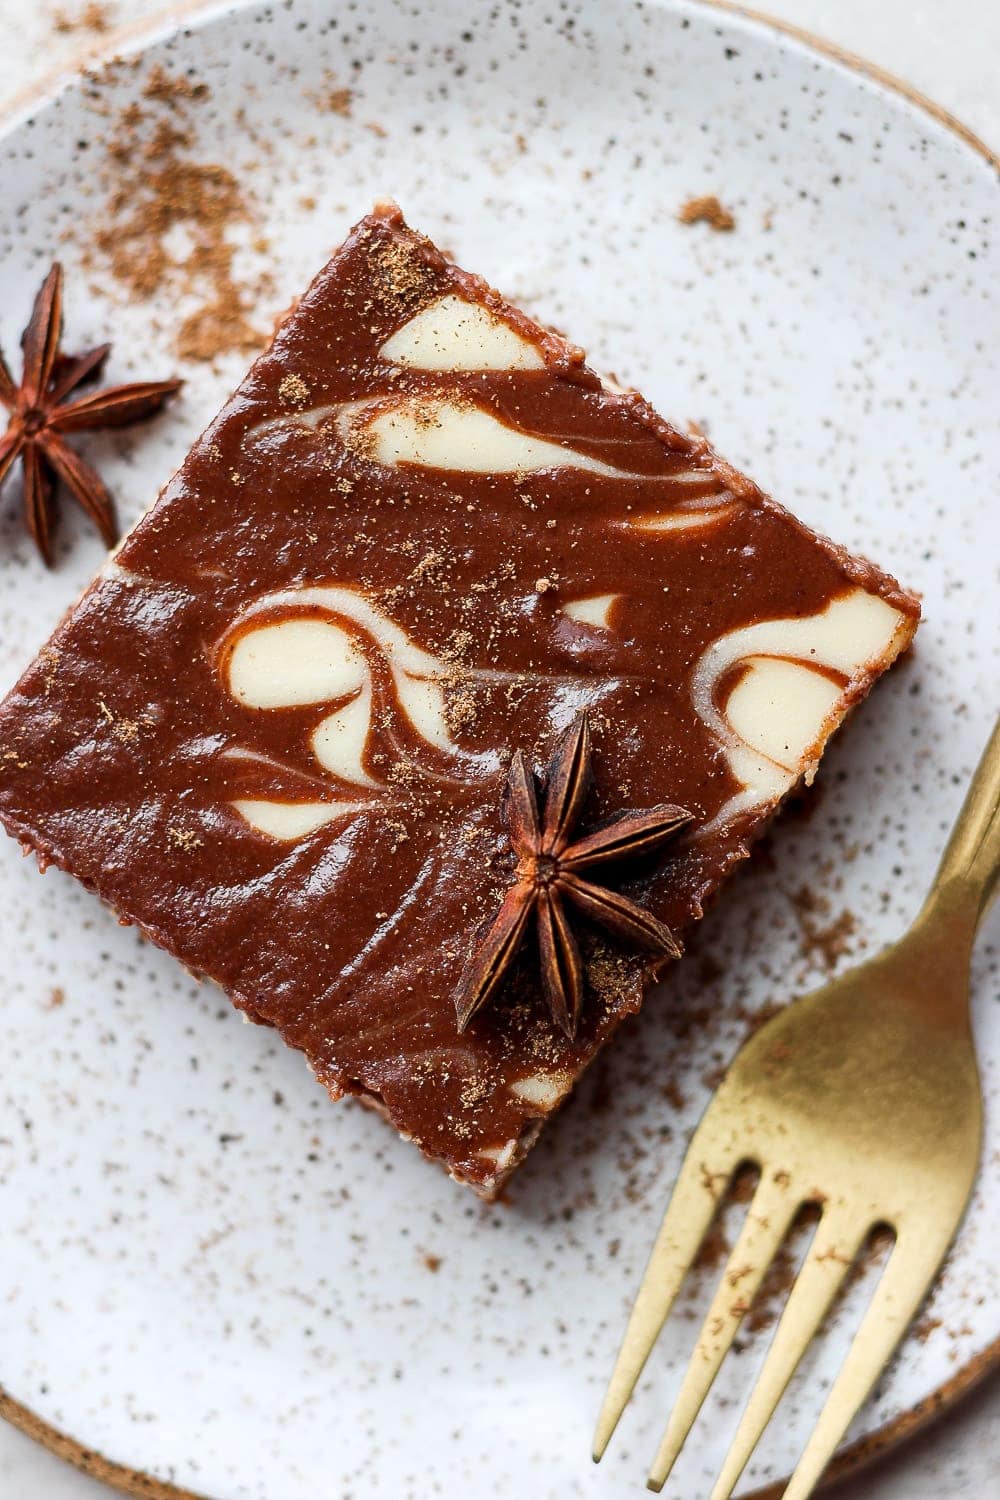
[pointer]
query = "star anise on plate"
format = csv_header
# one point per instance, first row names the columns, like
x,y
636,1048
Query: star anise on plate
x,y
41,415
549,880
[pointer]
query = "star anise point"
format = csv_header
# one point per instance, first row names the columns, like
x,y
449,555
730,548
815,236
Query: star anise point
x,y
549,879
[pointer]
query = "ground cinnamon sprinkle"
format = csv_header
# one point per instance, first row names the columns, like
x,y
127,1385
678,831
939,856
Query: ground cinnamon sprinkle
x,y
171,89
173,223
294,391
827,941
94,17
404,276
707,210
333,100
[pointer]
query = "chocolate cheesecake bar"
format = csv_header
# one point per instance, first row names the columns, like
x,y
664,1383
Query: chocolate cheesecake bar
x,y
421,537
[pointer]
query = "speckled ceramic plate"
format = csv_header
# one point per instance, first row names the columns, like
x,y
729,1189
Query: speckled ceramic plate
x,y
208,1273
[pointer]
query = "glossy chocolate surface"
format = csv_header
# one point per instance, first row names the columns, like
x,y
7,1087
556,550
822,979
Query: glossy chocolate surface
x,y
274,731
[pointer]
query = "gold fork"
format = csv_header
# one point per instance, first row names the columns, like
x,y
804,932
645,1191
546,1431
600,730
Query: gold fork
x,y
862,1098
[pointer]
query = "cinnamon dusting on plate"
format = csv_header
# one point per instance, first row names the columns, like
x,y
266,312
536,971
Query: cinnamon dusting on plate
x,y
821,940
707,210
333,98
94,17
174,223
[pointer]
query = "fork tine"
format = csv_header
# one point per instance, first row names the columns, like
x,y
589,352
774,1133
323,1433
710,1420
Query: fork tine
x,y
690,1211
834,1247
914,1260
765,1226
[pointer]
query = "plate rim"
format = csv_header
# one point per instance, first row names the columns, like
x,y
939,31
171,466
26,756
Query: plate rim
x,y
132,38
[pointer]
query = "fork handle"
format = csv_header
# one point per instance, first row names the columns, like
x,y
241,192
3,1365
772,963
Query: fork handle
x,y
970,866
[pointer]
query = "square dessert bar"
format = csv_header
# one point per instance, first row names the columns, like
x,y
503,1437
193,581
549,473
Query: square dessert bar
x,y
422,536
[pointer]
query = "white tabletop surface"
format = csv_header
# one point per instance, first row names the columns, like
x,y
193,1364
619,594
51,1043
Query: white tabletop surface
x,y
949,49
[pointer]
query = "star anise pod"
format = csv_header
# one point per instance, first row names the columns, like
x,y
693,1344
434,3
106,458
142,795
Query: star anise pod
x,y
549,880
41,416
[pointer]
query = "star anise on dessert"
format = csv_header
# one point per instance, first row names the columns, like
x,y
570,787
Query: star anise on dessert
x,y
41,416
549,880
